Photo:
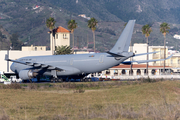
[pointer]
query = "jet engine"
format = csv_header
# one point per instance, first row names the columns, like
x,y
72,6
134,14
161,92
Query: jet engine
x,y
27,74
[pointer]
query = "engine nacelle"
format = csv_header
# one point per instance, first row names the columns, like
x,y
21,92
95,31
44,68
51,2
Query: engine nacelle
x,y
27,74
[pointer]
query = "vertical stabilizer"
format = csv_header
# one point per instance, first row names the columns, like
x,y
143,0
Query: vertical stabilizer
x,y
122,45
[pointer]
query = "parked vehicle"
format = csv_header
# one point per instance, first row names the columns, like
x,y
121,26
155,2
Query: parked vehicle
x,y
103,77
7,78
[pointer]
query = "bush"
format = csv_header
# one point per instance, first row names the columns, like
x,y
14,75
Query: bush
x,y
80,90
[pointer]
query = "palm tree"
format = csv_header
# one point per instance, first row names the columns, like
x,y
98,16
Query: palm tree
x,y
72,25
146,29
62,50
164,27
50,23
92,23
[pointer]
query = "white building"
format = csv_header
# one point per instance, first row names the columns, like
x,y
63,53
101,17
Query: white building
x,y
62,37
139,48
176,36
84,16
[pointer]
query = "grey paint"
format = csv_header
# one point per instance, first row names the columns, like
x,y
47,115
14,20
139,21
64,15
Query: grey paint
x,y
76,64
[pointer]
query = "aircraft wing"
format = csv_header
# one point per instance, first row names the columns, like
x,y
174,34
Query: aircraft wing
x,y
36,65
145,53
144,61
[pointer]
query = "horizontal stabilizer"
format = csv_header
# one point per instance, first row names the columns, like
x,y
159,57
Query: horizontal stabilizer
x,y
144,61
115,55
127,62
146,53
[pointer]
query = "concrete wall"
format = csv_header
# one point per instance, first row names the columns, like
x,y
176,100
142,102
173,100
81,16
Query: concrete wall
x,y
33,48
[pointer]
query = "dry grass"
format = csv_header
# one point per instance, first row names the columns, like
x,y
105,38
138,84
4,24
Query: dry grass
x,y
99,100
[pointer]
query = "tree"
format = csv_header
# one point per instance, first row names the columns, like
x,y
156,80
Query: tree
x,y
92,23
164,27
1,39
146,30
72,25
62,50
16,44
50,23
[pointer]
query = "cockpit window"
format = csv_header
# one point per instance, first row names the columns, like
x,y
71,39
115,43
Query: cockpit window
x,y
91,56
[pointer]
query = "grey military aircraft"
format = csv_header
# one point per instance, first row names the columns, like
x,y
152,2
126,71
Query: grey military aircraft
x,y
77,65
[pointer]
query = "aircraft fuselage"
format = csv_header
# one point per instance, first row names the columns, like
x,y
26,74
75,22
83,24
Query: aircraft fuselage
x,y
77,64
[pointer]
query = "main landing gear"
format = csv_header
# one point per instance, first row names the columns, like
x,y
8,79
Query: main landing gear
x,y
85,80
55,80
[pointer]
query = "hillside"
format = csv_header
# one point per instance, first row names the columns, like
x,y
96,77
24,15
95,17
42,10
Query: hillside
x,y
27,19
143,11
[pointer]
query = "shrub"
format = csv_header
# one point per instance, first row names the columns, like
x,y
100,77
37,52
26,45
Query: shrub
x,y
80,90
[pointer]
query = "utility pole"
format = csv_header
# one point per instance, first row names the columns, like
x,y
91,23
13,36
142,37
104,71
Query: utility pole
x,y
131,50
77,42
87,41
8,61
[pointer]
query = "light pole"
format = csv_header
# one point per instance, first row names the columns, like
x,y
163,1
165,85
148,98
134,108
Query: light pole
x,y
131,50
8,58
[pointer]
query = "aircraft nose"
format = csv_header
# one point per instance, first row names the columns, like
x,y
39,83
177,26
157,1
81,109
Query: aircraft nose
x,y
12,67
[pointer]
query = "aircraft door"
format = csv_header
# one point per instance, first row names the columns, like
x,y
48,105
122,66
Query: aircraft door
x,y
101,59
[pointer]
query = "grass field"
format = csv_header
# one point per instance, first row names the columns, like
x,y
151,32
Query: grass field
x,y
96,101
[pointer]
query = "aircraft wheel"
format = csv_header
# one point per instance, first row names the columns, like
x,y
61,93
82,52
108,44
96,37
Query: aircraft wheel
x,y
86,80
53,80
81,80
60,80
89,79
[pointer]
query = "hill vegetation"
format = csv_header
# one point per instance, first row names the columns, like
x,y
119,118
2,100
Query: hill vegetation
x,y
27,19
143,11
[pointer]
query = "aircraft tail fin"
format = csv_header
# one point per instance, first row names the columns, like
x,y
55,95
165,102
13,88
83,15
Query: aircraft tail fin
x,y
122,45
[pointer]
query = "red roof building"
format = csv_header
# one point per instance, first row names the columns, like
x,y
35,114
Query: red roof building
x,y
137,69
60,29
